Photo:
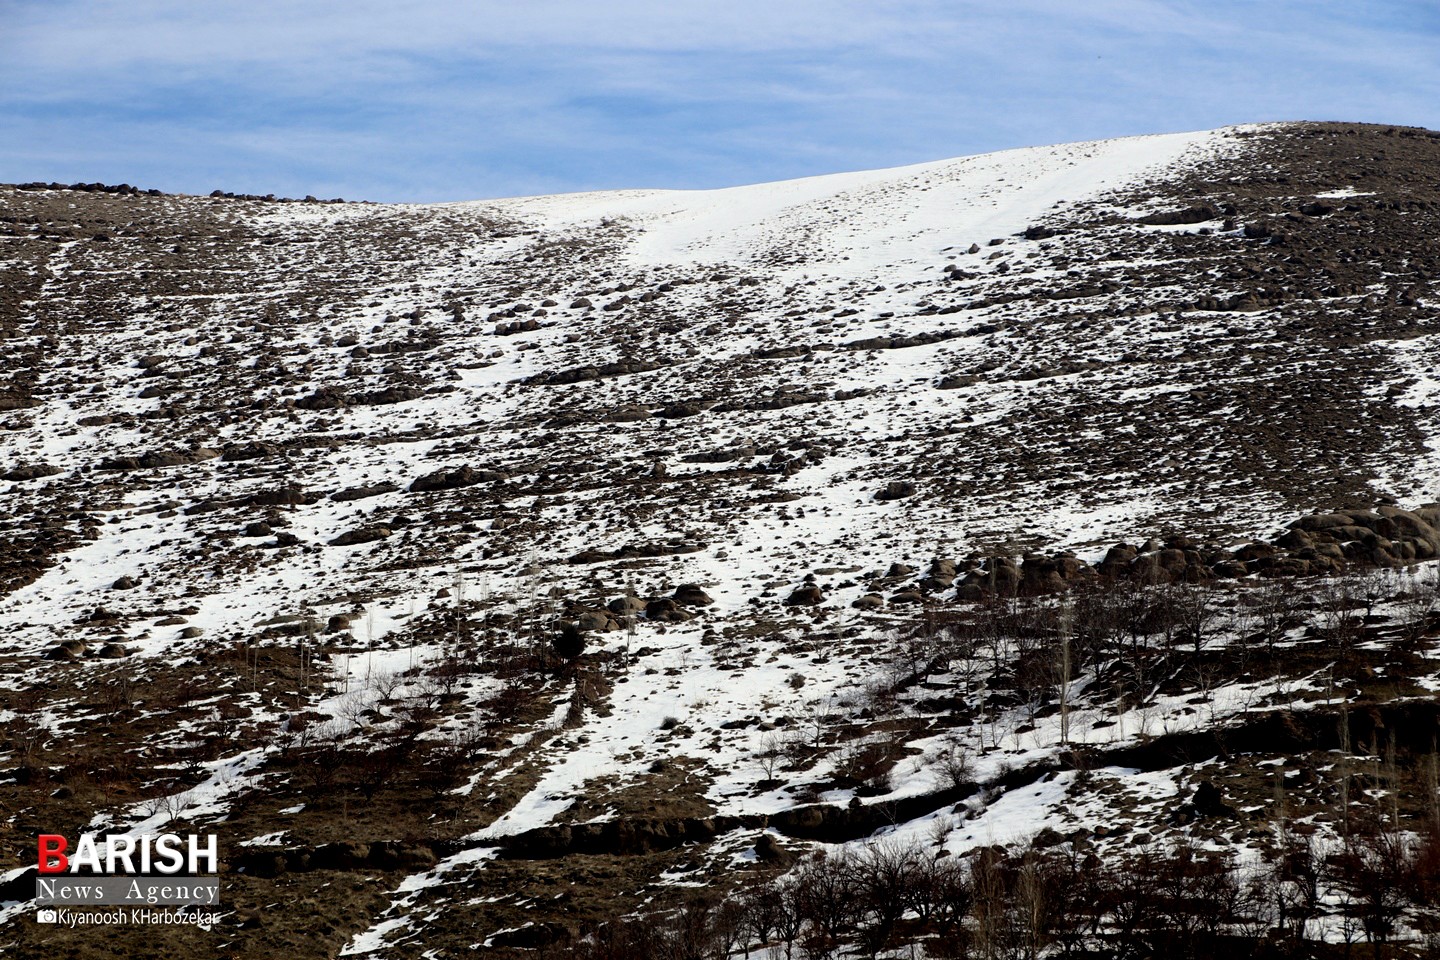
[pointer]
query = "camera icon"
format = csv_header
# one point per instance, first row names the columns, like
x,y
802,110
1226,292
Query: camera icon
x,y
45,916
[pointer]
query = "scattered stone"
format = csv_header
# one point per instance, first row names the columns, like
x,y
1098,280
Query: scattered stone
x,y
366,534
361,493
465,476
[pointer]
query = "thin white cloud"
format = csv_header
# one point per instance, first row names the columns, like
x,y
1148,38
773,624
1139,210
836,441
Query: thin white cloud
x,y
423,99
264,31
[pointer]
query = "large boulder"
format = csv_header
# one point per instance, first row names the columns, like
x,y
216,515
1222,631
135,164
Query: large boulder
x,y
1409,525
1320,521
1255,551
940,567
806,595
360,493
626,606
691,595
1118,560
896,490
666,610
596,621
34,471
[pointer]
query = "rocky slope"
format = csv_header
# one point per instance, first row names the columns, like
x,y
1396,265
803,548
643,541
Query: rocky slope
x,y
295,496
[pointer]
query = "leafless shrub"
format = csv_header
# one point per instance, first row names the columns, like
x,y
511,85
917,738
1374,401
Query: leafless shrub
x,y
773,750
953,764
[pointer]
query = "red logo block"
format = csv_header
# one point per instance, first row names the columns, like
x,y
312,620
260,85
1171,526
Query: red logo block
x,y
52,853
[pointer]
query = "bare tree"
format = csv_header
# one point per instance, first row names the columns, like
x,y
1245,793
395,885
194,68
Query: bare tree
x,y
884,875
772,751
1340,602
1193,612
1066,627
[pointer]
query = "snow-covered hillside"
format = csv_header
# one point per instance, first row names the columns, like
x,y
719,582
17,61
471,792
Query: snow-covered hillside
x,y
881,224
280,478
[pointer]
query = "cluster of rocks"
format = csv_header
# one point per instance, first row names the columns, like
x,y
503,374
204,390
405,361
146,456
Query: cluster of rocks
x,y
454,479
157,459
896,490
334,398
123,189
779,400
1316,544
254,450
1195,213
1387,536
268,197
604,371
676,608
516,326
902,342
941,576
636,551
68,651
33,471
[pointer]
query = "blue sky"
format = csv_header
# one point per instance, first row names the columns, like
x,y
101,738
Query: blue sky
x,y
412,100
